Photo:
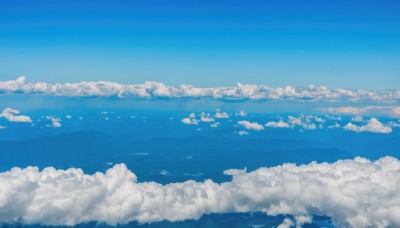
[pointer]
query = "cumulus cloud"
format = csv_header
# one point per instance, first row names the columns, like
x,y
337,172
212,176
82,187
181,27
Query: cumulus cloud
x,y
206,117
373,125
160,90
251,125
221,115
241,133
354,193
279,124
55,121
189,121
12,115
393,111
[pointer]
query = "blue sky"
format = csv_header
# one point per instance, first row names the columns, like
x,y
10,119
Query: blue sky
x,y
205,43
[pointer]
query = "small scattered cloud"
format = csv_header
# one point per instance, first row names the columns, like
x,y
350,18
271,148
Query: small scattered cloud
x,y
241,133
221,115
251,125
13,115
55,121
279,124
241,113
373,125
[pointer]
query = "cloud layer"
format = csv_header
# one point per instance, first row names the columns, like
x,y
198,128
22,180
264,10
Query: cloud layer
x,y
160,90
355,193
393,111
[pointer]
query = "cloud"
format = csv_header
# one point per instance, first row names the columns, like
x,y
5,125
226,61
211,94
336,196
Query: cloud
x,y
354,193
287,223
2,127
12,115
55,121
216,124
189,121
279,124
373,125
241,133
159,90
392,111
241,113
206,117
221,115
357,119
251,125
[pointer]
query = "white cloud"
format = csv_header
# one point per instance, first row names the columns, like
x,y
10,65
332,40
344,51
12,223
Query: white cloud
x,y
357,119
55,121
12,115
68,116
160,90
393,124
241,113
221,115
216,124
189,121
393,111
2,127
206,117
279,124
354,193
234,172
336,125
287,223
251,125
241,133
295,120
373,125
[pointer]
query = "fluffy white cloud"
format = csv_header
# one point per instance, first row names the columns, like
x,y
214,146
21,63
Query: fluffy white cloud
x,y
55,121
221,115
354,193
287,223
241,133
373,125
279,124
206,117
251,125
2,127
160,90
189,121
12,115
393,111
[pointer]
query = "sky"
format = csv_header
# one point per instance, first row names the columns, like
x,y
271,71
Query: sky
x,y
339,44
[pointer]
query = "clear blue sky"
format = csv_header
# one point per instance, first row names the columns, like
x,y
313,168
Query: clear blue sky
x,y
351,44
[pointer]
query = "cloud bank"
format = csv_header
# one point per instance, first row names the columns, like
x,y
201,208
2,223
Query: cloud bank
x,y
355,193
393,111
160,90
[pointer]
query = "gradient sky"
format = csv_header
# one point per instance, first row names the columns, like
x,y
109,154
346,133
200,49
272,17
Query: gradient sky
x,y
350,44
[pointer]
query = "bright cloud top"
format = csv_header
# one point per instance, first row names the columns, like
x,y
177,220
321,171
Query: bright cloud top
x,y
355,193
12,115
373,125
160,90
